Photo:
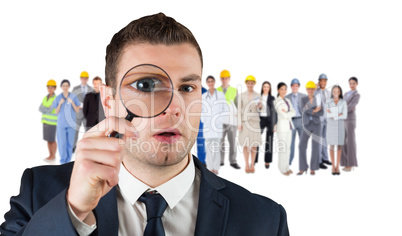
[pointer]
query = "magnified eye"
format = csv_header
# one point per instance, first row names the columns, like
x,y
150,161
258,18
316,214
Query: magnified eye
x,y
146,84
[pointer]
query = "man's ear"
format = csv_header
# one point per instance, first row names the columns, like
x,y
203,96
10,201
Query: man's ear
x,y
106,94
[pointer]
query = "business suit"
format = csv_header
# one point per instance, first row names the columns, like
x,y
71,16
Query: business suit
x,y
297,121
349,156
311,126
223,209
268,122
284,129
92,110
80,119
325,96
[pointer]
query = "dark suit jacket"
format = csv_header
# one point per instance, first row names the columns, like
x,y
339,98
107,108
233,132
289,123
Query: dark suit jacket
x,y
308,111
224,208
92,109
273,116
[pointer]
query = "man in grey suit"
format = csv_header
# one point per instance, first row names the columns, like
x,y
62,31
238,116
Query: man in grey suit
x,y
311,118
295,97
80,91
325,96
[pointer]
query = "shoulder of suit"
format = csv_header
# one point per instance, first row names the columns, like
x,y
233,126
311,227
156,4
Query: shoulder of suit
x,y
238,195
49,174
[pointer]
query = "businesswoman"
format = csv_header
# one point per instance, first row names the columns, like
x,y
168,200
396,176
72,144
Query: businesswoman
x,y
283,128
349,157
336,114
267,121
249,123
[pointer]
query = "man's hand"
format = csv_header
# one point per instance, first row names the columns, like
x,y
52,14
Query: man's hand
x,y
97,166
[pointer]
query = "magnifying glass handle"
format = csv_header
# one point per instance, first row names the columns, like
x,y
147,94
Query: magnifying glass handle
x,y
118,135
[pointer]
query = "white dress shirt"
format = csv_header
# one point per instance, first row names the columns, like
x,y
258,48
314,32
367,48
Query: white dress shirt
x,y
181,194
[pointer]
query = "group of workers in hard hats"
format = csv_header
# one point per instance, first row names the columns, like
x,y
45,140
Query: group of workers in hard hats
x,y
326,116
64,114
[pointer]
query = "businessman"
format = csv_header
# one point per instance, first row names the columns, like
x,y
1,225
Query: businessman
x,y
115,187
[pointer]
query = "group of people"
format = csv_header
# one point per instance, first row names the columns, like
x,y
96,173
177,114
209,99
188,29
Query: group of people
x,y
64,114
328,117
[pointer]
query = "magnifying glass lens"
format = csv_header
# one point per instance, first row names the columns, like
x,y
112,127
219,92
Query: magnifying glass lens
x,y
146,90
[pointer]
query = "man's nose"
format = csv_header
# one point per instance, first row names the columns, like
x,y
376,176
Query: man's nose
x,y
175,106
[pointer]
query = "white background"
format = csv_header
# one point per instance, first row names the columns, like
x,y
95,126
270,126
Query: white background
x,y
274,41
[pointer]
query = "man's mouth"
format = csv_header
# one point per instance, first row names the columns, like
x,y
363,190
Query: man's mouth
x,y
168,136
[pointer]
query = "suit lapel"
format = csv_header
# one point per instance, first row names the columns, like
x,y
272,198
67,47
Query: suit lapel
x,y
106,214
213,207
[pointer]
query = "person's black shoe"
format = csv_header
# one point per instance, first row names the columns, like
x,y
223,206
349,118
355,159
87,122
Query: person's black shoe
x,y
327,162
222,164
235,165
322,166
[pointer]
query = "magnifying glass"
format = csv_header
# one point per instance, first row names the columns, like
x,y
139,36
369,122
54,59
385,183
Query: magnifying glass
x,y
146,91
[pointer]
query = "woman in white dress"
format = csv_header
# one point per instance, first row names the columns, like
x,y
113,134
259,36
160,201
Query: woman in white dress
x,y
337,111
249,123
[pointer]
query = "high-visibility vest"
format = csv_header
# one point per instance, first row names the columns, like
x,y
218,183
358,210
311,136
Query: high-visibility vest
x,y
230,94
49,118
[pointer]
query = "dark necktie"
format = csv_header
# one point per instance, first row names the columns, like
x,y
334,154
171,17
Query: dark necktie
x,y
155,205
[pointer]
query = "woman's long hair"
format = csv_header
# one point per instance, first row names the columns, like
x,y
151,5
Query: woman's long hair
x,y
340,90
270,88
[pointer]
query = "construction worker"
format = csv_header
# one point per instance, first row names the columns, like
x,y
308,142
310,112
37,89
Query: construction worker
x,y
311,118
295,97
49,120
80,91
230,125
324,95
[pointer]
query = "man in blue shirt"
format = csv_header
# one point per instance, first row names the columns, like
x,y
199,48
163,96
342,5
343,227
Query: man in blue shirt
x,y
295,97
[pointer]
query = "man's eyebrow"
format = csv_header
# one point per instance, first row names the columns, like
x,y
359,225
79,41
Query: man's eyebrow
x,y
190,78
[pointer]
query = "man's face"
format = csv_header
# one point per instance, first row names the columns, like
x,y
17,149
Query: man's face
x,y
84,80
96,84
165,140
322,83
295,88
225,81
51,89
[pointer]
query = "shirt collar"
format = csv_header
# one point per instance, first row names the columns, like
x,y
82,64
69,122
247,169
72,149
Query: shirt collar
x,y
209,93
172,191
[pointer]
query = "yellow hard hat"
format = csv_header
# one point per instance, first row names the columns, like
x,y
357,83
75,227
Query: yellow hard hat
x,y
250,78
225,74
51,83
84,74
310,84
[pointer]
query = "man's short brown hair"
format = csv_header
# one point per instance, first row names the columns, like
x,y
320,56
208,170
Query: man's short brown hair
x,y
97,78
153,29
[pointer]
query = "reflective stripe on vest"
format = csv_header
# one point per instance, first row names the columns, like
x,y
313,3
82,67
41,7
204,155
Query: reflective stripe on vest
x,y
230,94
49,118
